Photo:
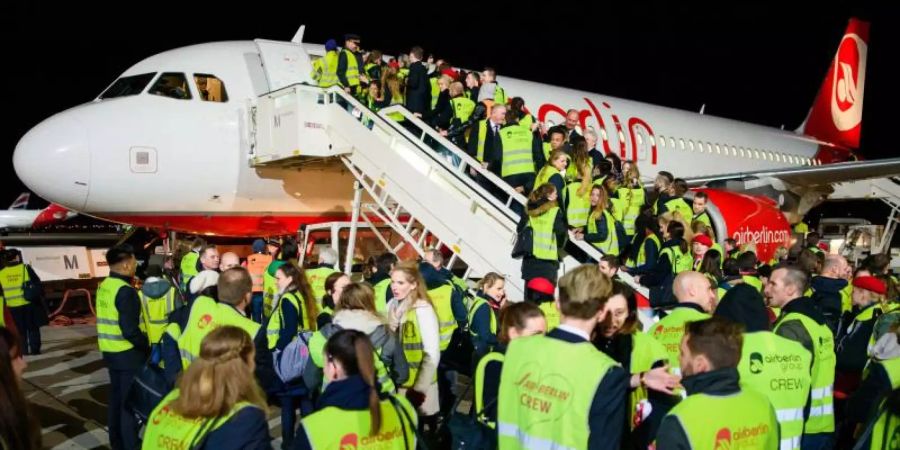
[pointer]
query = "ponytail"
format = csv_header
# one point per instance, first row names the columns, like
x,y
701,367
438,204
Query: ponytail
x,y
354,351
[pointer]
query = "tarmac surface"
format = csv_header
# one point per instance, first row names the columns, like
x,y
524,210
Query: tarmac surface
x,y
68,384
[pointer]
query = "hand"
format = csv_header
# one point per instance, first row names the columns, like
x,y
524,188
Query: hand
x,y
473,172
534,126
661,380
348,90
415,397
484,165
443,133
637,279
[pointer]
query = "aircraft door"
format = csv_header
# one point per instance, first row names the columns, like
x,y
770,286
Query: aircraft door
x,y
285,63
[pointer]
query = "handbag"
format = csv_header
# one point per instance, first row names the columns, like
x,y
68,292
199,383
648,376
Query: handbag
x,y
524,243
147,389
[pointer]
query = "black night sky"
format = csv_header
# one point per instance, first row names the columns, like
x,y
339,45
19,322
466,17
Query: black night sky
x,y
751,62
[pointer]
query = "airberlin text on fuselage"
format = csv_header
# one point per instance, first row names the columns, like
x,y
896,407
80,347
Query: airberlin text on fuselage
x,y
635,126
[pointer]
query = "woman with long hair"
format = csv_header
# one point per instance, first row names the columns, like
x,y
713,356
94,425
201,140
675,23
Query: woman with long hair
x,y
620,337
516,320
19,428
334,286
674,257
644,248
549,231
633,197
553,172
356,311
217,403
601,226
482,314
295,308
413,318
352,406
578,190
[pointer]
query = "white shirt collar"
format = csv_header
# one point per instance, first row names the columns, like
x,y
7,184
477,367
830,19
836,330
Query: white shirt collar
x,y
575,331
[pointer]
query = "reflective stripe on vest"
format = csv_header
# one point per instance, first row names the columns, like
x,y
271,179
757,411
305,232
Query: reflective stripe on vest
x,y
670,329
462,108
534,411
276,321
632,200
748,410
352,72
609,246
680,262
578,207
473,309
109,335
336,428
821,412
206,316
442,298
435,90
778,368
646,352
257,265
479,387
544,242
885,431
316,278
516,159
328,65
13,279
155,313
168,429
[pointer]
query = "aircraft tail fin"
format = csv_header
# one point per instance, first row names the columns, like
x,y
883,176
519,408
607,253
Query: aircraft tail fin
x,y
836,114
21,201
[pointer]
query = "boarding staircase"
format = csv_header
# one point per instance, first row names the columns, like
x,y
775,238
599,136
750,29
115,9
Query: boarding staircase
x,y
420,183
887,190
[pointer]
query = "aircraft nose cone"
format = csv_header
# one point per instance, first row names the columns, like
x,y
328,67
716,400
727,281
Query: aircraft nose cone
x,y
53,160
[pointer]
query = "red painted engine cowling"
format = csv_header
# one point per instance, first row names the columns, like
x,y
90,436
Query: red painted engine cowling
x,y
750,218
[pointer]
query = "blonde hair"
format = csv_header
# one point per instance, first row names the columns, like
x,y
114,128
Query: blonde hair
x,y
490,279
583,292
602,205
410,269
357,296
456,89
221,377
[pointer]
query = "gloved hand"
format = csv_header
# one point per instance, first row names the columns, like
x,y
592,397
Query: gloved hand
x,y
415,397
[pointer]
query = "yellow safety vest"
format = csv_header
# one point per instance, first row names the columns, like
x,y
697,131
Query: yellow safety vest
x,y
442,298
462,108
316,278
155,313
109,335
166,429
352,72
13,279
206,315
544,239
632,199
325,70
341,429
609,246
579,207
413,347
517,159
276,320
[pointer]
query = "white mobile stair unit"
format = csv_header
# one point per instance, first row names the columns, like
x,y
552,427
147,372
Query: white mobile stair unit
x,y
417,181
887,190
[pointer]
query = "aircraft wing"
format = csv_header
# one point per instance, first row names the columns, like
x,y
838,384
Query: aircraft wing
x,y
815,175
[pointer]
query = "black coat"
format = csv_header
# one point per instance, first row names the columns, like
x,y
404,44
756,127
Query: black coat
x,y
418,89
493,148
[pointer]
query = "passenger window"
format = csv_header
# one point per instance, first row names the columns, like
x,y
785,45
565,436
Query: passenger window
x,y
603,134
672,143
126,86
742,151
639,139
211,88
690,145
662,141
718,149
681,144
172,85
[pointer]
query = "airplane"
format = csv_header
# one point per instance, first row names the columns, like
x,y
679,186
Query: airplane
x,y
19,217
167,145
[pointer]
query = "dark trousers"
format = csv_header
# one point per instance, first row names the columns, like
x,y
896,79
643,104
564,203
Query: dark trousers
x,y
820,441
256,307
29,328
123,427
289,401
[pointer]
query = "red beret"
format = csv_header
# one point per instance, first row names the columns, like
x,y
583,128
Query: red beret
x,y
870,283
451,73
823,246
703,239
542,285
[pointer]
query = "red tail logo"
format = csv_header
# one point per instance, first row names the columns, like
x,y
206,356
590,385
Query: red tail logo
x,y
836,116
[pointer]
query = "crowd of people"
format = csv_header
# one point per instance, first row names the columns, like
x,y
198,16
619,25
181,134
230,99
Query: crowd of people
x,y
798,352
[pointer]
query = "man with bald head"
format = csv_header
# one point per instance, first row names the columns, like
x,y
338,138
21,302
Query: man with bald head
x,y
696,299
229,260
830,290
800,320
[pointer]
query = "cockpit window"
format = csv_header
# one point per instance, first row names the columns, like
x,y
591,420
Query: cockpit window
x,y
126,86
211,88
173,85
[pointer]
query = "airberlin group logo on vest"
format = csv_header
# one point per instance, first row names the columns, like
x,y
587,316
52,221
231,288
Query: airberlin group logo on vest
x,y
204,321
765,235
743,438
381,441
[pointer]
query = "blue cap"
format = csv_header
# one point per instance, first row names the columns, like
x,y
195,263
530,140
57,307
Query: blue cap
x,y
259,246
330,45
